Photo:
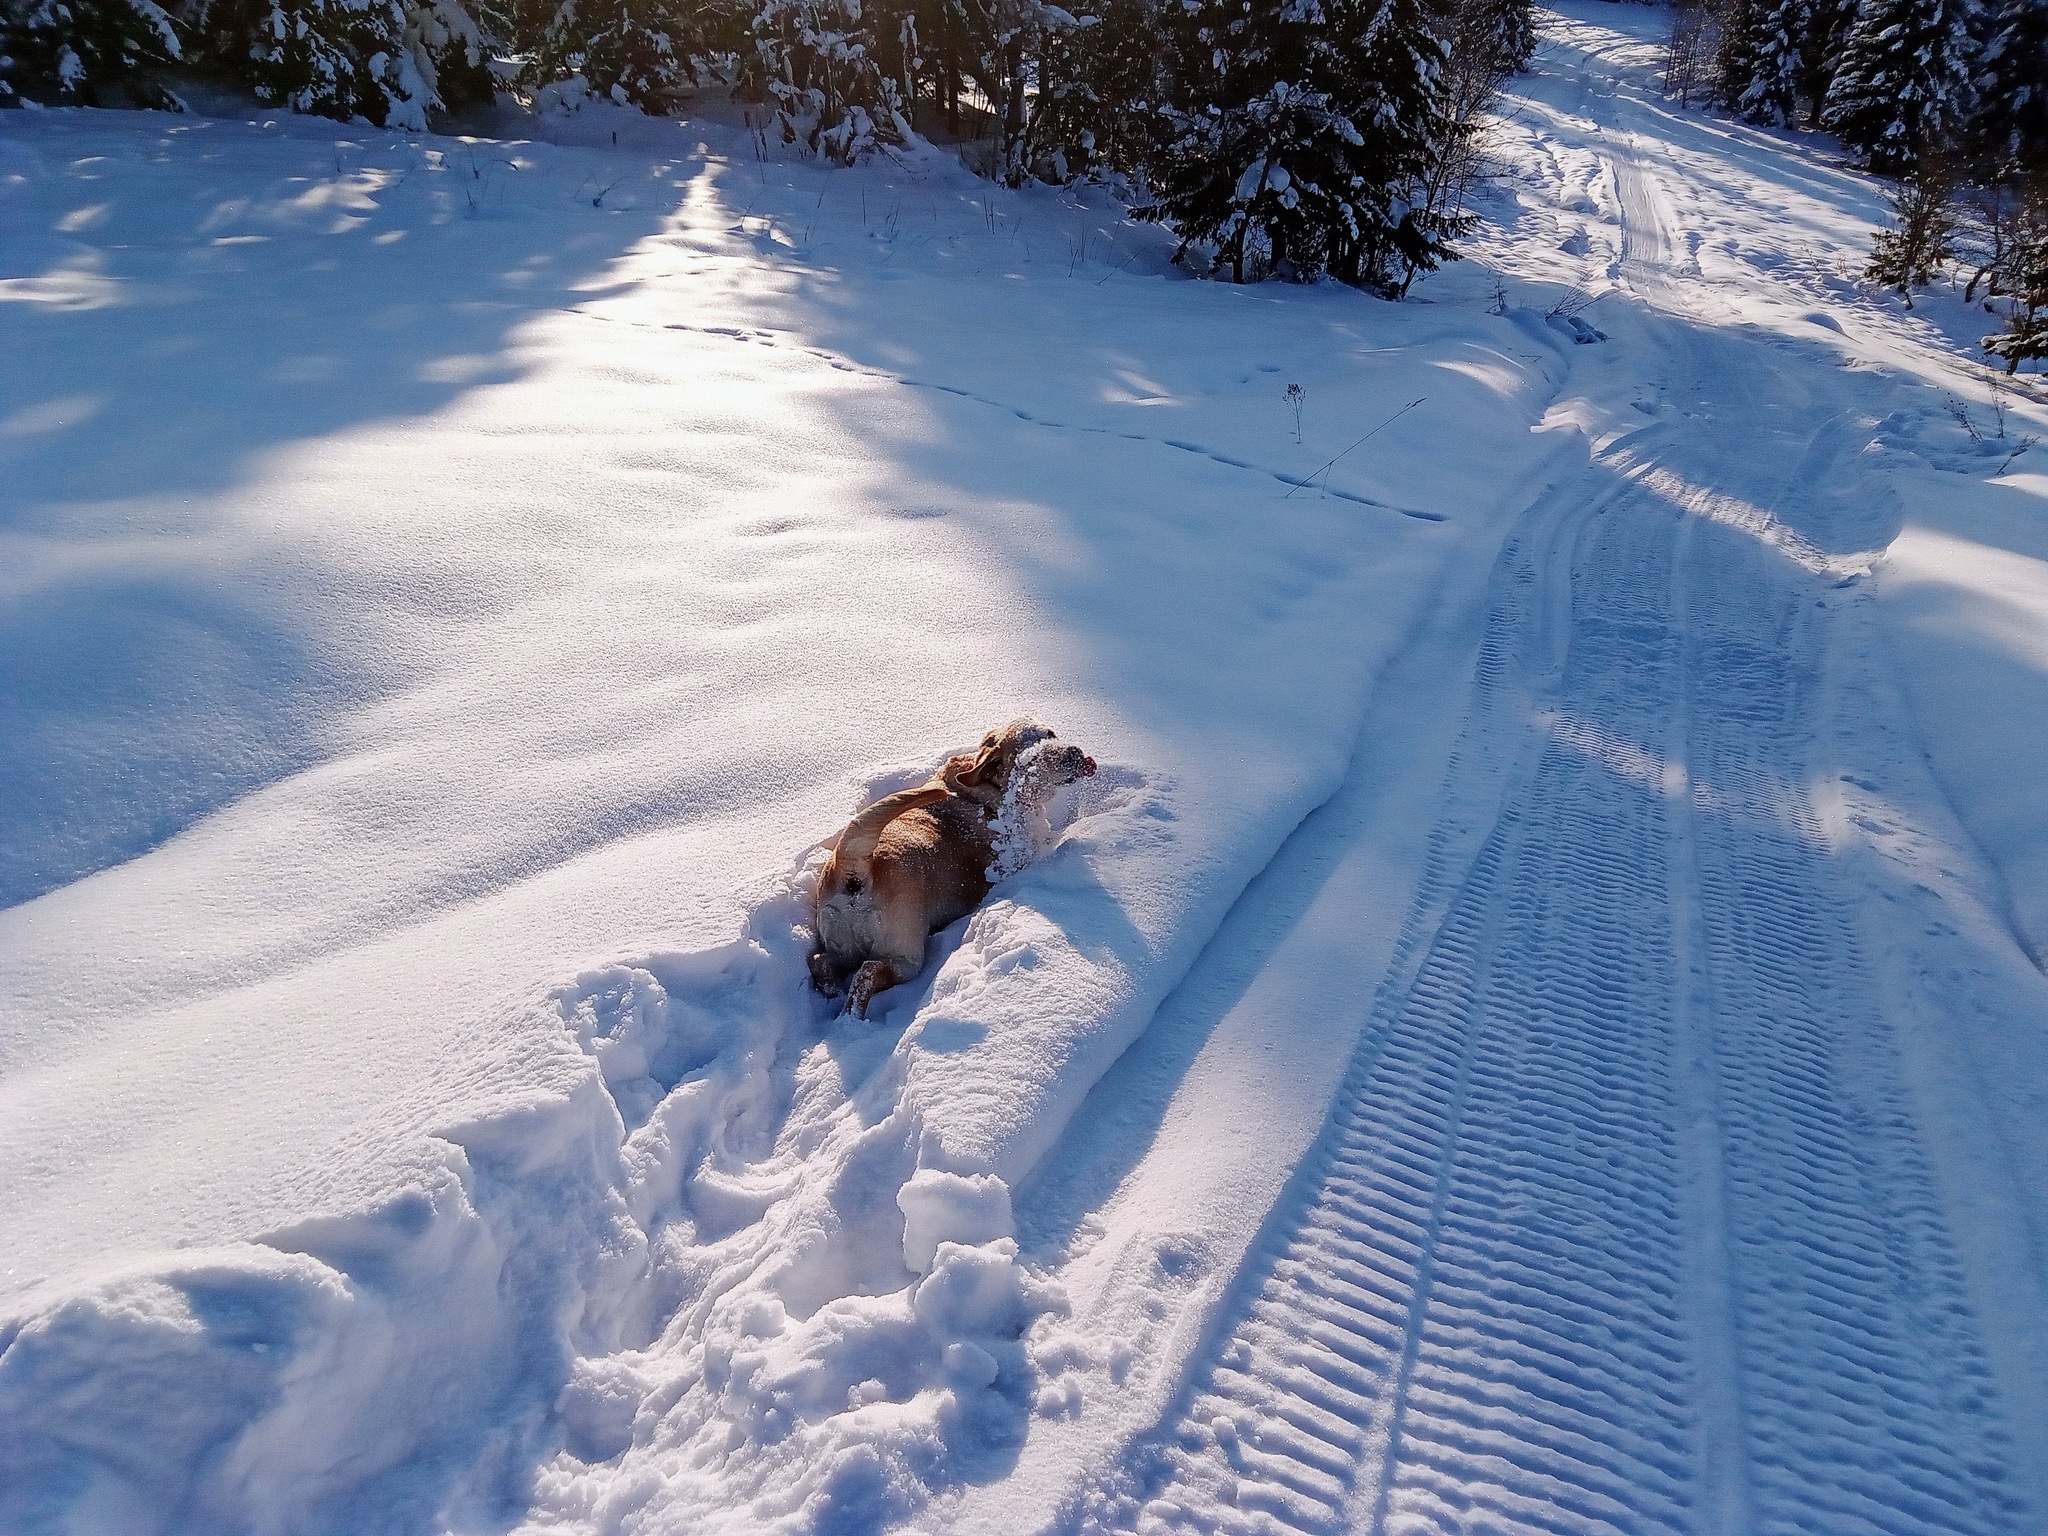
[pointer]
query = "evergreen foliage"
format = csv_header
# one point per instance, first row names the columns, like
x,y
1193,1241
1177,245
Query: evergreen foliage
x,y
1902,87
73,50
1000,43
1095,77
642,53
1487,41
1763,58
1062,138
2025,337
1820,51
814,62
1921,238
2011,127
1122,64
1295,134
1290,137
389,62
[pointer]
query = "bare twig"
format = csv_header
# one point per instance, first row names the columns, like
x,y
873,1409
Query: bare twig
x,y
1325,469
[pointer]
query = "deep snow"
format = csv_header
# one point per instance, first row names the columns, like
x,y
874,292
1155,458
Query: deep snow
x,y
1533,1027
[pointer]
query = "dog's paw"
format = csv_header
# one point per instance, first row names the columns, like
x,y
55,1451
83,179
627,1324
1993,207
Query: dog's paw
x,y
824,977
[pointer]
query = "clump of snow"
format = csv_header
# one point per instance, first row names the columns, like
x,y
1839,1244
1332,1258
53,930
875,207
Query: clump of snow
x,y
562,98
940,1207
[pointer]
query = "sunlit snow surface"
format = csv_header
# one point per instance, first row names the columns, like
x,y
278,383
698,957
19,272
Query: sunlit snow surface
x,y
1531,1027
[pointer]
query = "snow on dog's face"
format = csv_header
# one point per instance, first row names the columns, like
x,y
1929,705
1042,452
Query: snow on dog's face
x,y
1040,765
984,775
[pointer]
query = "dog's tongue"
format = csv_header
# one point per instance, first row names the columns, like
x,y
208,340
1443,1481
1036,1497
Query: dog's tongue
x,y
1087,767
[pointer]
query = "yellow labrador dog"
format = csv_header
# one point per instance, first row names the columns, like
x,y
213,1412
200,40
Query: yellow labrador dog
x,y
918,859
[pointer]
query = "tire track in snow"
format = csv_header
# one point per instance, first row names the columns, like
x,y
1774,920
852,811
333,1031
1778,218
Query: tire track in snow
x,y
1462,1316
1866,1396
1846,1390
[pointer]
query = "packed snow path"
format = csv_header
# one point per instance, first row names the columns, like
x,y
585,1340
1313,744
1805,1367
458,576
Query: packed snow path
x,y
1627,1218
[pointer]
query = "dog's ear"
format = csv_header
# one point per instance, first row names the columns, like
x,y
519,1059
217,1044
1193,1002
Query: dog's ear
x,y
975,772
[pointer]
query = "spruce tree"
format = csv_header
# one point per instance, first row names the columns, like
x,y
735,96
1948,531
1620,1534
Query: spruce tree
x,y
390,62
1487,41
1296,133
334,58
1122,64
1764,59
643,53
1902,88
54,51
1000,42
2011,126
1066,108
1827,29
1095,78
815,62
1921,239
516,28
1508,33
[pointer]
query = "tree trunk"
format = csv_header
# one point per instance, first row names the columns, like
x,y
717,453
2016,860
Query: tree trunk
x,y
1013,108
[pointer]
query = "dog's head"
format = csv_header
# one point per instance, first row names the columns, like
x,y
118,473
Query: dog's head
x,y
983,774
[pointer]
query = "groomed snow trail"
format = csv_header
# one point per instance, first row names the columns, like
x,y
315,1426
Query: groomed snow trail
x,y
1626,1218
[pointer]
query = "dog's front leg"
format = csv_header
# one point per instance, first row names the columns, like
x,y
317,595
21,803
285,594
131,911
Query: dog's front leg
x,y
875,976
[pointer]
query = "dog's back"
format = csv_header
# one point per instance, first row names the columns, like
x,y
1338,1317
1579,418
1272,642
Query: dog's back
x,y
929,866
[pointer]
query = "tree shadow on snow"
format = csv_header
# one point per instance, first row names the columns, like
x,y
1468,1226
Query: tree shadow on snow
x,y
191,297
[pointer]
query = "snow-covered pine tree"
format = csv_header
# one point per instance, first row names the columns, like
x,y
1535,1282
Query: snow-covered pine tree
x,y
1093,80
1827,27
1000,44
2011,125
1500,32
1121,61
515,28
1065,109
815,62
642,53
1762,58
450,52
1731,32
1902,87
73,50
940,29
1297,134
388,61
